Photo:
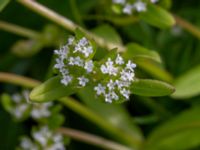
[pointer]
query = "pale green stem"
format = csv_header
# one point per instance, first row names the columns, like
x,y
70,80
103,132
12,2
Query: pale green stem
x,y
188,26
18,30
92,139
18,80
68,24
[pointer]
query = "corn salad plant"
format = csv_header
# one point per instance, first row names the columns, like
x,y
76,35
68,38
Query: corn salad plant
x,y
99,74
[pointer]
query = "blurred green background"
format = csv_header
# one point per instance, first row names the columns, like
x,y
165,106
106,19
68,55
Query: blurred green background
x,y
164,123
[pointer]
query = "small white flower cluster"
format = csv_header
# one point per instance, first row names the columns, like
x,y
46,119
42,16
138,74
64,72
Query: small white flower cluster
x,y
74,57
138,5
20,107
120,75
74,64
43,139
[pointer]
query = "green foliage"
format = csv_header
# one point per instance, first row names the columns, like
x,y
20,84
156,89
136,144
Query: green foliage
x,y
3,4
158,17
179,133
187,85
151,88
163,110
50,90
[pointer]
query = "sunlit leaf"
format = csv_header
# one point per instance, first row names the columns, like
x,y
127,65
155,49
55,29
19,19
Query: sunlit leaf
x,y
188,84
180,133
134,49
50,90
146,87
157,16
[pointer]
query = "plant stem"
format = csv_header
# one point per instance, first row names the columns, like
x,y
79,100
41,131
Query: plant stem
x,y
18,30
68,24
188,26
92,139
18,80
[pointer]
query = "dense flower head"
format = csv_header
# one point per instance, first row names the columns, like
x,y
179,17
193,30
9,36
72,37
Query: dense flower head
x,y
43,139
118,76
74,57
128,7
22,108
111,78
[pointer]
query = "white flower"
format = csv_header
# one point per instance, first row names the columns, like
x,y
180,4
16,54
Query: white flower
x,y
111,85
125,93
140,6
109,68
48,139
42,135
17,98
41,110
89,66
27,144
119,1
99,89
76,61
83,47
83,80
114,96
83,42
127,75
104,69
19,110
120,84
66,80
154,1
70,40
87,51
128,9
119,60
108,98
64,72
131,66
59,63
63,52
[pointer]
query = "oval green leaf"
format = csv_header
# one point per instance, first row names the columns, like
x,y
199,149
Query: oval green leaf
x,y
50,90
180,133
134,49
152,88
157,16
188,85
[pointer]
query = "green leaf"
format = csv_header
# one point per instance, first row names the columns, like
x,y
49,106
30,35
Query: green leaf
x,y
26,48
50,90
188,85
153,68
6,102
180,133
108,33
116,115
157,16
3,4
134,49
146,87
